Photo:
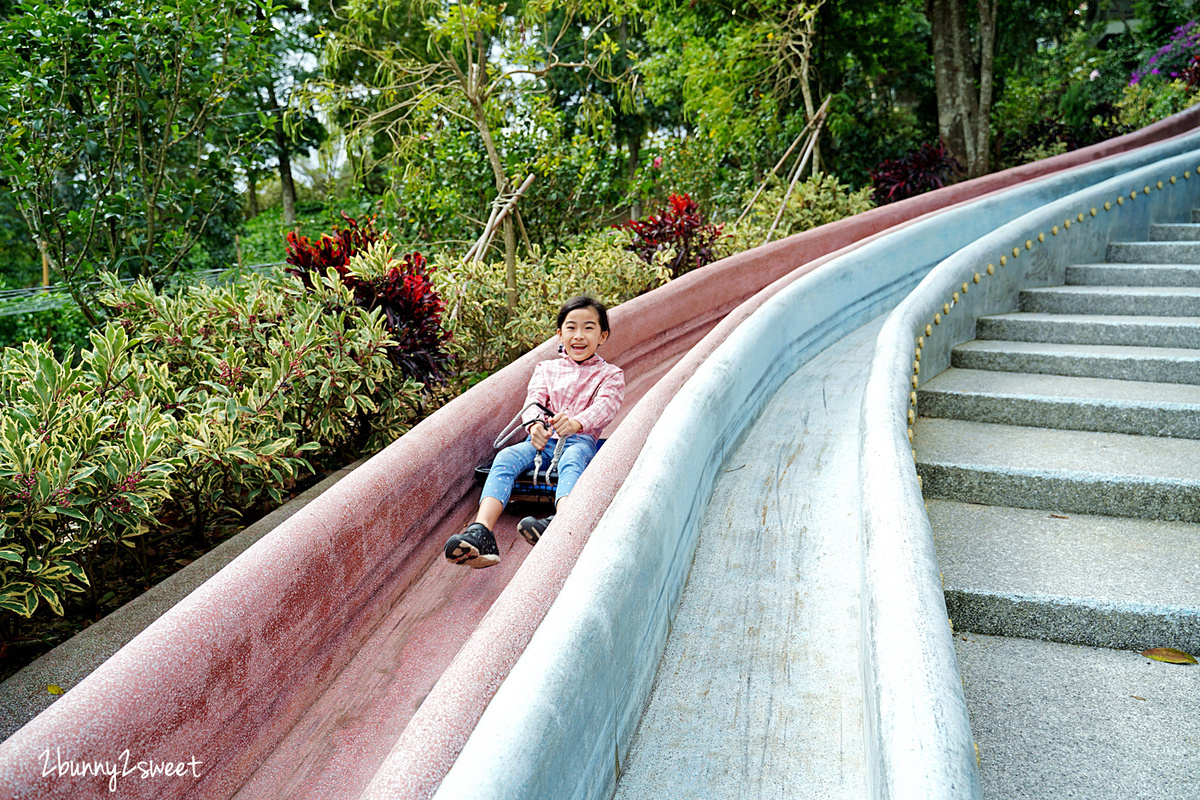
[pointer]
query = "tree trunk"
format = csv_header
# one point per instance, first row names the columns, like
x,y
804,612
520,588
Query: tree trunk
x,y
635,154
287,185
963,78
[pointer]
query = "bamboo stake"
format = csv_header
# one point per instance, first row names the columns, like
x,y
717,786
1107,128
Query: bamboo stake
x,y
504,204
771,174
808,151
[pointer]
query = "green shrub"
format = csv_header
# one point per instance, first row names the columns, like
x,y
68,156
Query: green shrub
x,y
1146,103
483,339
63,326
84,459
815,201
197,408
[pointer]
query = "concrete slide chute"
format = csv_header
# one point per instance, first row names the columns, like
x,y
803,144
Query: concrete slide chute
x,y
340,656
594,707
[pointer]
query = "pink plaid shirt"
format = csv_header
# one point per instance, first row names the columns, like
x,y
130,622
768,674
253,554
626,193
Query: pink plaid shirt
x,y
590,392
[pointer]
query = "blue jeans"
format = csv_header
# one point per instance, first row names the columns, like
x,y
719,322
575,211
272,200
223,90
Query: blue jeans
x,y
512,461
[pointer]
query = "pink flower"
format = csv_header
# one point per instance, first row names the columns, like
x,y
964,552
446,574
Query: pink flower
x,y
657,162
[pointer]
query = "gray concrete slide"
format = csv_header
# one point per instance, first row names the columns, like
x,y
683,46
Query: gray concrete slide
x,y
764,650
759,612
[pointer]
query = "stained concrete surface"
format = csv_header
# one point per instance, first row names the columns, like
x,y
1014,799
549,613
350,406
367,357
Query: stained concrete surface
x,y
759,692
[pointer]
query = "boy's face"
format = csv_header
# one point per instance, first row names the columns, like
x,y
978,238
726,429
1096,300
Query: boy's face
x,y
580,333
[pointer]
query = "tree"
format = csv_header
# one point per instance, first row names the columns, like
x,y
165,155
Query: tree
x,y
113,150
963,74
472,61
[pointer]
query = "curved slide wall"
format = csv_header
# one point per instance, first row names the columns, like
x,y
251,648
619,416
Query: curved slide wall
x,y
560,724
230,673
913,663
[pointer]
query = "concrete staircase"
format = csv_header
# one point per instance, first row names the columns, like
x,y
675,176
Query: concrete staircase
x,y
1060,460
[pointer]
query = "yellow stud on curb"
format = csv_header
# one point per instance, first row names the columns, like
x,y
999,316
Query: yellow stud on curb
x,y
1003,260
937,319
945,308
916,367
1016,252
1067,224
1028,245
910,434
1107,206
1081,215
912,398
914,381
1054,231
954,298
920,341
1159,185
965,287
991,269
1041,237
929,330
976,278
1133,195
912,416
1121,200
1172,180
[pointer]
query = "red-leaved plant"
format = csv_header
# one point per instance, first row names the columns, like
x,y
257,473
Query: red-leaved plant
x,y
681,225
412,309
916,172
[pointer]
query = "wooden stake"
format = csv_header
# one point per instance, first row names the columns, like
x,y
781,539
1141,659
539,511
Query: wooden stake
x,y
808,151
500,209
763,185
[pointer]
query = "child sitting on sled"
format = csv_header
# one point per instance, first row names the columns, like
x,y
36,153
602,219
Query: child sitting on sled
x,y
583,393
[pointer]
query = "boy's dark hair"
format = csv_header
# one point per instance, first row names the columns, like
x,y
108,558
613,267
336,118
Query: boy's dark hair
x,y
583,301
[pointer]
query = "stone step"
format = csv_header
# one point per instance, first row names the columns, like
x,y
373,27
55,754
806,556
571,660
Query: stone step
x,y
1133,274
1132,331
1062,721
1113,474
1154,252
1175,232
1130,584
1154,364
1155,301
1066,403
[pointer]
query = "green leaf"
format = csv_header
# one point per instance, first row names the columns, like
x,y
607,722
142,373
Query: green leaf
x,y
51,597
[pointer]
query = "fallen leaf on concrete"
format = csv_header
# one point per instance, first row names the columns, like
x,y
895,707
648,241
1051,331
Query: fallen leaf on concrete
x,y
54,689
1137,697
1169,655
1058,516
